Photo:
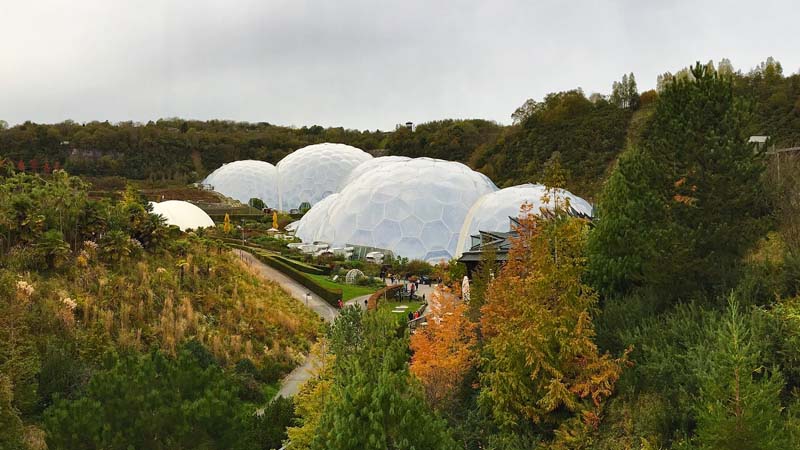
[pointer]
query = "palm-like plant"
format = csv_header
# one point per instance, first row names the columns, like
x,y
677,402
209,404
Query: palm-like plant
x,y
114,246
52,248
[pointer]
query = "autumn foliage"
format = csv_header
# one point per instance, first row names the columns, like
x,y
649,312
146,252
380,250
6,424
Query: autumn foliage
x,y
541,365
444,351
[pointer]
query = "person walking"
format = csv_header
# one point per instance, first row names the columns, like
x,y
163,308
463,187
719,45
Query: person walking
x,y
341,305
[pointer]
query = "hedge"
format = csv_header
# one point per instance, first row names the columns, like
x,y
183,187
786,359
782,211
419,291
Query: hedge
x,y
332,296
303,267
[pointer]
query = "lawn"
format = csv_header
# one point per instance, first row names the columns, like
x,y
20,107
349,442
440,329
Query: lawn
x,y
391,304
349,291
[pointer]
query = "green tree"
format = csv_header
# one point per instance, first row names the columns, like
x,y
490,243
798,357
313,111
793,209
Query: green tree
x,y
257,203
153,402
115,246
11,429
739,403
374,403
681,210
52,248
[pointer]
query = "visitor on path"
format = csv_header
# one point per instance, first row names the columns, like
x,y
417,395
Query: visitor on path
x,y
308,297
366,303
410,316
416,314
341,305
423,298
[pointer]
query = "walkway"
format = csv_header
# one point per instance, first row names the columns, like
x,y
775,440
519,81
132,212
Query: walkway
x,y
292,382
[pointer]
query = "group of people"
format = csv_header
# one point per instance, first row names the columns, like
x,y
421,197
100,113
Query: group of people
x,y
413,315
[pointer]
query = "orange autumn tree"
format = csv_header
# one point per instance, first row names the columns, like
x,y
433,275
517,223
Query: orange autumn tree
x,y
444,351
541,370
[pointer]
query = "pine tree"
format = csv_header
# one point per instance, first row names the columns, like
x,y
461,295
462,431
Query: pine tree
x,y
680,211
739,405
374,403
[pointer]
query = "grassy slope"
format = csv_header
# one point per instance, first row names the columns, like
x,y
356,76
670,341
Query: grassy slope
x,y
636,127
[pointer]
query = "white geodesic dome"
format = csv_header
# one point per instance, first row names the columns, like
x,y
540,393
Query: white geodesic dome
x,y
309,226
182,214
491,212
414,208
316,171
246,179
353,275
369,166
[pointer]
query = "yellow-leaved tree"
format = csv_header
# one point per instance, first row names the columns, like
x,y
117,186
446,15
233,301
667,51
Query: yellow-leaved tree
x,y
541,371
226,224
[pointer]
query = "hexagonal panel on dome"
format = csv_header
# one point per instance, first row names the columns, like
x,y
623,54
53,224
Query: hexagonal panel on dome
x,y
412,207
316,171
491,212
369,166
246,179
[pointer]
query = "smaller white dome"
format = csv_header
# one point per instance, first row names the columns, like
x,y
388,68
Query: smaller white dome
x,y
491,211
182,214
246,179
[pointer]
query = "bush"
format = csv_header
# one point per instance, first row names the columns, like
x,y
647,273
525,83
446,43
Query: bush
x,y
268,426
150,401
332,296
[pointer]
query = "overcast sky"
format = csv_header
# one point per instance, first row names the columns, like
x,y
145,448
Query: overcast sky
x,y
357,64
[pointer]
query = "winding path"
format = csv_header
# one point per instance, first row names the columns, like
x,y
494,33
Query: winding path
x,y
292,382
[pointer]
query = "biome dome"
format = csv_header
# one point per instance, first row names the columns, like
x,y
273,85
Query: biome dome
x,y
182,214
491,212
309,226
370,165
246,179
314,172
414,208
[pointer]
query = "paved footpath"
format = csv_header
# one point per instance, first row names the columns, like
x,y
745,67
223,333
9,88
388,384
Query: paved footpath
x,y
292,382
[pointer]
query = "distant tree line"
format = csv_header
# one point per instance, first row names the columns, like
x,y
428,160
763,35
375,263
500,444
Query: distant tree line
x,y
588,132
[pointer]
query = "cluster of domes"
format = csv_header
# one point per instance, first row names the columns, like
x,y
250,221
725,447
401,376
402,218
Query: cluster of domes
x,y
418,208
422,208
304,176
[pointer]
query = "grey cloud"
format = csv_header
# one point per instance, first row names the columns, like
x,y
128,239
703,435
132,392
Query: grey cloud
x,y
355,63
